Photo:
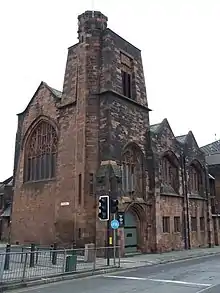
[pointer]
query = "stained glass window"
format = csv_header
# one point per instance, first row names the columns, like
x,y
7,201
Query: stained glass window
x,y
41,153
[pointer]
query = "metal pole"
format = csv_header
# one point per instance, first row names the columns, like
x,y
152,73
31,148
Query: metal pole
x,y
108,244
114,242
109,221
184,204
208,208
187,202
7,257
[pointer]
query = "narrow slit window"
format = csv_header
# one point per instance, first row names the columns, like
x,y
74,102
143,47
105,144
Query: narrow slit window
x,y
91,184
80,188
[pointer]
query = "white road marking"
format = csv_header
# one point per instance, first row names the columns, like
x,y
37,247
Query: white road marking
x,y
124,277
205,289
180,282
159,280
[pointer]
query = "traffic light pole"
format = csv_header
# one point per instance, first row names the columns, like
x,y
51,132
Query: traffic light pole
x,y
114,242
108,237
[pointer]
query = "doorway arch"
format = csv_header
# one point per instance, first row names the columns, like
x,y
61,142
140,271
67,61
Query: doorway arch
x,y
130,232
133,228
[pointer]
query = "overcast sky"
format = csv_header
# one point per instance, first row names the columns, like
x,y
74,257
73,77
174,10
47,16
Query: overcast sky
x,y
180,47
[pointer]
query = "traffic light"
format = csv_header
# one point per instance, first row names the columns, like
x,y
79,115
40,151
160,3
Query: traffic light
x,y
114,206
103,208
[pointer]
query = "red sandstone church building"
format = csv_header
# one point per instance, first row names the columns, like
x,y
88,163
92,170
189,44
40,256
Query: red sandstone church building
x,y
71,145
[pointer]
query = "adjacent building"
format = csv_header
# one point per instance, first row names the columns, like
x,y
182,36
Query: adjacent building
x,y
93,137
6,197
212,152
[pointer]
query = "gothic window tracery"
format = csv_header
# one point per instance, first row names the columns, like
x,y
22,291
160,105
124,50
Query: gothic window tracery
x,y
195,179
170,176
133,172
41,153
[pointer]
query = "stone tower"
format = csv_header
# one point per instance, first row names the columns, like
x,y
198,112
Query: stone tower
x,y
101,113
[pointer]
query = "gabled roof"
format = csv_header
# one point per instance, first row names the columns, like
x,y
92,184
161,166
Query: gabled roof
x,y
56,94
190,133
211,148
184,138
157,128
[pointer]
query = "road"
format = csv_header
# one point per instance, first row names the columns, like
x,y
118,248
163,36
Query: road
x,y
201,275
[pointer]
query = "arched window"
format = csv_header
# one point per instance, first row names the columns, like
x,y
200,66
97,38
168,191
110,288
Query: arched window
x,y
41,153
170,176
133,171
195,178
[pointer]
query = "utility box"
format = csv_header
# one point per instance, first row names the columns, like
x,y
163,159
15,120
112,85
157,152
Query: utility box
x,y
89,255
71,261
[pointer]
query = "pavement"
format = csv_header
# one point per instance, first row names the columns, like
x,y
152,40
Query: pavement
x,y
153,259
200,275
44,272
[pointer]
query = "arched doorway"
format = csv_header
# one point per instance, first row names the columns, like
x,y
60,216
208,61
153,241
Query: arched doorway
x,y
130,232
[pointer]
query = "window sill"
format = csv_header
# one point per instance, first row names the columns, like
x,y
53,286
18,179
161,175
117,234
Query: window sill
x,y
166,233
42,181
196,196
177,233
125,98
171,194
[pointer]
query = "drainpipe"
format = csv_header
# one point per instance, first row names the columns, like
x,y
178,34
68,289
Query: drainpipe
x,y
208,208
186,200
184,204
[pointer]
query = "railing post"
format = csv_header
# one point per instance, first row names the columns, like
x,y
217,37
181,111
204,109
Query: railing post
x,y
94,260
51,251
22,254
7,257
32,255
37,253
64,261
54,254
119,256
25,266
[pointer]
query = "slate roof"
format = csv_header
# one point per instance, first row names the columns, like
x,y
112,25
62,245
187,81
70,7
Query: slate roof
x,y
211,148
1,188
6,213
7,181
57,93
181,138
155,127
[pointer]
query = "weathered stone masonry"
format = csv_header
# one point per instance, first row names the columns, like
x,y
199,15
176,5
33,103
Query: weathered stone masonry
x,y
101,120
